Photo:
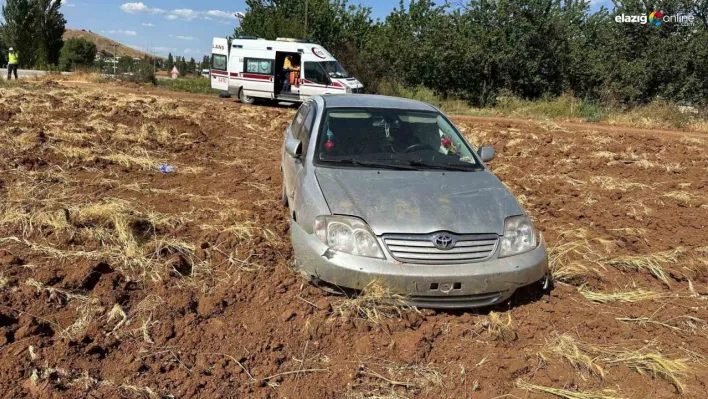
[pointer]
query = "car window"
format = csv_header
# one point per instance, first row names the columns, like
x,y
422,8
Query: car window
x,y
315,73
297,120
306,130
423,139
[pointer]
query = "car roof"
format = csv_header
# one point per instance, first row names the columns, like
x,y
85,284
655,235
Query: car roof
x,y
373,101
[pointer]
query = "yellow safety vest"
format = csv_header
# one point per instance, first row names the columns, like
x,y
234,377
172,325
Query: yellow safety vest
x,y
13,58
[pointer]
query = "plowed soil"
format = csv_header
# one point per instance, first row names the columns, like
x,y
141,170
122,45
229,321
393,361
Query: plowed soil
x,y
117,280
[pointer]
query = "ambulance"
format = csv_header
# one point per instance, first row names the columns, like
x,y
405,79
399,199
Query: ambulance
x,y
254,68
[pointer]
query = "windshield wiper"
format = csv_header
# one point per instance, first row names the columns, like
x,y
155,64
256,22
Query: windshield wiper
x,y
369,164
463,168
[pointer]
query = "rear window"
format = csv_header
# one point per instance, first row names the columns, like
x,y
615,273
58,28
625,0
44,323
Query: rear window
x,y
218,62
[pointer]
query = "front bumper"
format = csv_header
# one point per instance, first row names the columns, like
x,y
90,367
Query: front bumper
x,y
436,286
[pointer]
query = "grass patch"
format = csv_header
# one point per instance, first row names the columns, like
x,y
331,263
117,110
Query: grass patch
x,y
374,303
566,394
650,262
421,93
613,183
621,296
652,363
565,107
565,346
499,329
572,259
199,85
656,115
587,358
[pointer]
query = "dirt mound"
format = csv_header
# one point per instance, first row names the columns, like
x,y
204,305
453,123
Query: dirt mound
x,y
117,280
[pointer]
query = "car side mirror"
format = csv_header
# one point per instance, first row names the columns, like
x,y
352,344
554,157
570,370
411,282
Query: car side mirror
x,y
487,153
293,147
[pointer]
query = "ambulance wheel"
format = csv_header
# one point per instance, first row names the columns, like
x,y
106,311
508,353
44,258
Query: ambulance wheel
x,y
246,99
224,94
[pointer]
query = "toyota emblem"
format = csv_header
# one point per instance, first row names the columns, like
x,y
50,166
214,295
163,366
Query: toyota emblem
x,y
443,241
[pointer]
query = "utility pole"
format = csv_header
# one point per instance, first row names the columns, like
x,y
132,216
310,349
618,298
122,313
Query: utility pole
x,y
307,2
115,58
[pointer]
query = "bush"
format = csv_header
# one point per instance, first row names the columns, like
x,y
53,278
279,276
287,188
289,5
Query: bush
x,y
198,85
75,53
564,107
144,73
421,93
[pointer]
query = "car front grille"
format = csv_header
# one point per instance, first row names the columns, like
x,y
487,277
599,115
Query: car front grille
x,y
420,248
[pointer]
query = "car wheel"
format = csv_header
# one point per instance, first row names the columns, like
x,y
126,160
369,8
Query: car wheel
x,y
285,197
246,99
224,94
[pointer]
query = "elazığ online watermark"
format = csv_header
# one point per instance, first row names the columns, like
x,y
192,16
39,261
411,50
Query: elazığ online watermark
x,y
655,18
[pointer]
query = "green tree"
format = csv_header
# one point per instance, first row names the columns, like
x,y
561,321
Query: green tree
x,y
483,50
19,29
34,28
125,64
170,62
182,66
3,48
49,29
192,66
77,53
206,63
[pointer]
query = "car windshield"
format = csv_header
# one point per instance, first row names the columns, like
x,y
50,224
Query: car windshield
x,y
334,69
391,138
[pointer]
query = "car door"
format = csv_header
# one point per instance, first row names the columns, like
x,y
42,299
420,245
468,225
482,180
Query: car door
x,y
289,162
299,166
257,76
314,80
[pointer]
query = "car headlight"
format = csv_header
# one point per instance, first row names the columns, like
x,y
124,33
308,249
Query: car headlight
x,y
519,236
349,235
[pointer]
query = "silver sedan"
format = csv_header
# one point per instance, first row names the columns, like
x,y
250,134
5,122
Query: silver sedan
x,y
387,189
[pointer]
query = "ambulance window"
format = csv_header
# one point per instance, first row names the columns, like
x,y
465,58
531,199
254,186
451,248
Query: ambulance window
x,y
218,62
315,73
259,66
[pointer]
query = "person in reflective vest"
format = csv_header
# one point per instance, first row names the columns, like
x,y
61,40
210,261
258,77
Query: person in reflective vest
x,y
287,68
11,64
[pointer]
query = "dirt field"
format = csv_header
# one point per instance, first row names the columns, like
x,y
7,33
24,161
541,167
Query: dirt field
x,y
119,281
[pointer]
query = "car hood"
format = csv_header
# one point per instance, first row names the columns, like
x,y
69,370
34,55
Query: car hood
x,y
419,202
351,83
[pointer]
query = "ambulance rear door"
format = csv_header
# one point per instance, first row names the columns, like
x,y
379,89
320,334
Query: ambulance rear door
x,y
219,64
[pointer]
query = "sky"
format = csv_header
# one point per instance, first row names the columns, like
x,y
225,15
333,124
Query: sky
x,y
183,28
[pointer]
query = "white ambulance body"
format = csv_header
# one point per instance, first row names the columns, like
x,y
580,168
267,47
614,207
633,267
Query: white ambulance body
x,y
253,68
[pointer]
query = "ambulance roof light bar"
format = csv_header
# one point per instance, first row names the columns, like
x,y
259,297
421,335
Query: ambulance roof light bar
x,y
293,40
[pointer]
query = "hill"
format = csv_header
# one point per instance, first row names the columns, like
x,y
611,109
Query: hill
x,y
104,45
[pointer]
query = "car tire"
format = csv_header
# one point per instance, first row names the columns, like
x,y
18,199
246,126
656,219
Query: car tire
x,y
244,98
224,94
285,197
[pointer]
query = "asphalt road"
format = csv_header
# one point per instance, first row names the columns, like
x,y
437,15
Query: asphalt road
x,y
26,73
